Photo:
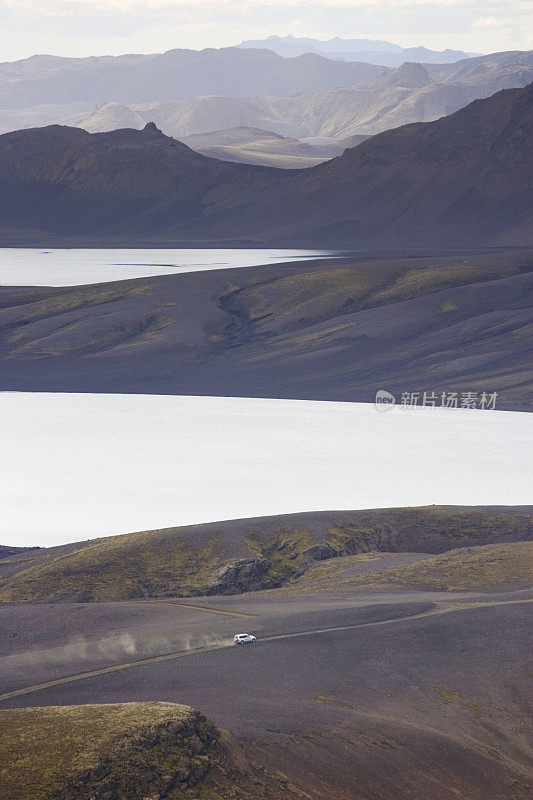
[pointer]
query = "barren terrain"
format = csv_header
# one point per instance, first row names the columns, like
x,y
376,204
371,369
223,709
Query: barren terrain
x,y
324,330
350,695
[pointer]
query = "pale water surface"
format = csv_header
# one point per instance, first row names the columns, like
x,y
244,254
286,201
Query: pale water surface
x,y
26,266
77,466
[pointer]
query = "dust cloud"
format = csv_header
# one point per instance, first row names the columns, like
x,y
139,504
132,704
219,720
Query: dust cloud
x,y
116,647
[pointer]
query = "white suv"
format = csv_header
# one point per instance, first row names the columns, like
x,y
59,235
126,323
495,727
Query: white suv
x,y
243,638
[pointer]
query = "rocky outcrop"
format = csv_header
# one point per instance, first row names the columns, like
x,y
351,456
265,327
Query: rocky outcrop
x,y
128,751
244,575
150,764
320,552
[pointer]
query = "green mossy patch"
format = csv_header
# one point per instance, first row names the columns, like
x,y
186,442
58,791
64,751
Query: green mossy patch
x,y
348,541
285,551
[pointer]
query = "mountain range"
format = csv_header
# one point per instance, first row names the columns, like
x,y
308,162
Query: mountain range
x,y
315,125
395,97
459,181
174,75
368,50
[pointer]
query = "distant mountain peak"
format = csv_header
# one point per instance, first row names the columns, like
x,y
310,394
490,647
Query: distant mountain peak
x,y
373,51
151,127
407,76
410,75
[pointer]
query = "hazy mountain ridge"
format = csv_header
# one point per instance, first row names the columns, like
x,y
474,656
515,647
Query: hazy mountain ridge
x,y
460,68
323,120
397,97
216,110
170,76
371,51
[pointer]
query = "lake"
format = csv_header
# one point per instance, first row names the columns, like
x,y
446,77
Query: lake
x,y
77,466
49,267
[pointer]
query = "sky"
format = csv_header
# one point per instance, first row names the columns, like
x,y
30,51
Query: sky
x,y
98,27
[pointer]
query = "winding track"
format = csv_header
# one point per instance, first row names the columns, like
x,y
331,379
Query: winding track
x,y
439,608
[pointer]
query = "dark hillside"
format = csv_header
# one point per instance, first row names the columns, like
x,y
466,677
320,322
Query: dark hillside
x,y
413,324
69,181
461,181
